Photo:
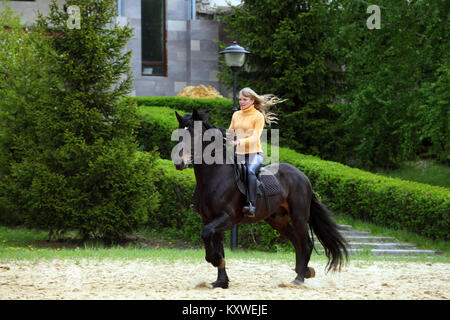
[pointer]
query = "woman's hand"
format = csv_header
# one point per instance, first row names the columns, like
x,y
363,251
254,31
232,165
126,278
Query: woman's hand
x,y
235,142
232,142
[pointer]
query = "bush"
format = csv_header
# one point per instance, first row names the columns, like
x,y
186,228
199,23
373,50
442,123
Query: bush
x,y
68,155
385,201
175,215
219,109
157,125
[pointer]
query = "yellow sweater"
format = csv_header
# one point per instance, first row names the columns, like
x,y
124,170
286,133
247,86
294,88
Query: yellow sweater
x,y
248,125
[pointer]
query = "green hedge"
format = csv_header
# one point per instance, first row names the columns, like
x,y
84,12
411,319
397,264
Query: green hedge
x,y
389,202
176,189
219,109
157,125
385,201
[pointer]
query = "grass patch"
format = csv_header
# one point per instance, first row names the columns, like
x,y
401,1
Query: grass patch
x,y
424,171
23,244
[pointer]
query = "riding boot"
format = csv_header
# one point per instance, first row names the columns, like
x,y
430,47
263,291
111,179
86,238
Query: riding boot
x,y
250,207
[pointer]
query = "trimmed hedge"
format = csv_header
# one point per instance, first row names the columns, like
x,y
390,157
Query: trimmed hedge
x,y
219,109
176,189
389,202
157,125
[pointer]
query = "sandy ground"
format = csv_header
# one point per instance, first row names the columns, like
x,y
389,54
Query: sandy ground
x,y
250,279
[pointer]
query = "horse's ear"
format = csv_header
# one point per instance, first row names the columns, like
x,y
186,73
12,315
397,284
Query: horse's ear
x,y
180,118
204,115
196,116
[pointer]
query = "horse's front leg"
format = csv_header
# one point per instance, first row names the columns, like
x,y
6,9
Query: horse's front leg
x,y
212,237
222,277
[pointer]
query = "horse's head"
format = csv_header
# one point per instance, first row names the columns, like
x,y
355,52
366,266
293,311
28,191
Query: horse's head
x,y
191,127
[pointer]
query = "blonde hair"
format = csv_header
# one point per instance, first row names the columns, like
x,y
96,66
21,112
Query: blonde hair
x,y
263,103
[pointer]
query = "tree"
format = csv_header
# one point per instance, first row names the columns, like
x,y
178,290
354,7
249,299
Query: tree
x,y
78,168
291,57
396,78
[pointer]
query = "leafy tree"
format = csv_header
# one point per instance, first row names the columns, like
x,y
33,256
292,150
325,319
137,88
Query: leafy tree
x,y
391,102
71,159
396,78
291,57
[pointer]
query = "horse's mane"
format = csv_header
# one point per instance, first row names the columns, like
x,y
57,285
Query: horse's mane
x,y
204,115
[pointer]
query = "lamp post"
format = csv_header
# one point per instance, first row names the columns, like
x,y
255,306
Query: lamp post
x,y
235,59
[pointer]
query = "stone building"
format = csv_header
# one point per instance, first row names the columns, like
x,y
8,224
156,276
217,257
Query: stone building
x,y
174,43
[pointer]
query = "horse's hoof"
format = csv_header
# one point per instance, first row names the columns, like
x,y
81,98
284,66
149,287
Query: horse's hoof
x,y
310,273
220,284
297,282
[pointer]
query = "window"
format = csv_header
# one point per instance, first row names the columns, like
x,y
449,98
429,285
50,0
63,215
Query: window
x,y
154,57
120,8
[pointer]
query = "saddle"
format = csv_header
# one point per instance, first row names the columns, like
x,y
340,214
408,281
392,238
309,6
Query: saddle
x,y
267,184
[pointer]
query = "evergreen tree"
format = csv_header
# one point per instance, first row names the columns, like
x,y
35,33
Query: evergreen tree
x,y
80,169
396,95
290,57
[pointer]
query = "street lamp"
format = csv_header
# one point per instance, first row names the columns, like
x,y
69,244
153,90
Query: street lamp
x,y
235,59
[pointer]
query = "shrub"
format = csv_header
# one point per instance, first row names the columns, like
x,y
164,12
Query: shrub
x,y
70,159
175,215
157,125
390,202
219,109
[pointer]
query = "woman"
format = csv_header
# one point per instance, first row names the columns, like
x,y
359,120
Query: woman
x,y
248,124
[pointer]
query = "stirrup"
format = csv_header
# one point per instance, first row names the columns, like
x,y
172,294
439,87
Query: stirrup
x,y
250,210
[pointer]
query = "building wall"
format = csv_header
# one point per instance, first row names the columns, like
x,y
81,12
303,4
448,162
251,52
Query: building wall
x,y
192,49
29,9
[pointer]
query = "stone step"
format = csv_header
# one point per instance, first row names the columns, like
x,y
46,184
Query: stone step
x,y
369,239
347,233
362,240
365,238
394,252
344,227
381,245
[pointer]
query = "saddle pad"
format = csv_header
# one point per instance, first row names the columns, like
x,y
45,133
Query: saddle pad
x,y
268,184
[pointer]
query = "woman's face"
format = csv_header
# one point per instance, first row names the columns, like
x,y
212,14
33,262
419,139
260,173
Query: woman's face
x,y
245,102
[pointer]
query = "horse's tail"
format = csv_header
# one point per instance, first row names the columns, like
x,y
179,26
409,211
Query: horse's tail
x,y
327,232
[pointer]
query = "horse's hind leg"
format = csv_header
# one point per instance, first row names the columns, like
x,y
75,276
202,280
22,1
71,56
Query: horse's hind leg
x,y
280,222
299,237
299,214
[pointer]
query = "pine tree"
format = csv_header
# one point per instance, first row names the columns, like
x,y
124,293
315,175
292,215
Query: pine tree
x,y
290,57
82,171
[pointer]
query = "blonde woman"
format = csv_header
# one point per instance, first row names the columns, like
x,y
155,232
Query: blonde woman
x,y
248,124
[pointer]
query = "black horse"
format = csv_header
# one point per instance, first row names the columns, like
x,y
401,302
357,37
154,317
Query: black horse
x,y
219,202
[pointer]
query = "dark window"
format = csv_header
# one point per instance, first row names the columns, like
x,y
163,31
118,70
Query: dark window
x,y
153,38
